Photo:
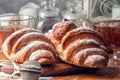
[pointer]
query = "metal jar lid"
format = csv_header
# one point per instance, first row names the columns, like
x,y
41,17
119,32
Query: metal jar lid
x,y
31,65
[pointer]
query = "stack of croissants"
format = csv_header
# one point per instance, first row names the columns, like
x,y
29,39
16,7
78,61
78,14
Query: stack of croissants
x,y
76,46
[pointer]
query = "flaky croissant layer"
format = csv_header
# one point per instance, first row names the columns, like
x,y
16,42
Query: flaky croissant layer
x,y
29,44
84,47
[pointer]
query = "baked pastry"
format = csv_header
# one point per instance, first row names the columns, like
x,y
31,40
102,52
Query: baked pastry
x,y
84,47
29,44
59,30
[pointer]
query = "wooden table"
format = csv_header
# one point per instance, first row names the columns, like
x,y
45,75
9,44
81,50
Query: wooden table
x,y
111,72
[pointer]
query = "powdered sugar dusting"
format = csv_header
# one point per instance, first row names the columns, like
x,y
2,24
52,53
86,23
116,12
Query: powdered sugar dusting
x,y
82,42
41,53
30,37
84,51
87,41
21,53
91,49
9,42
92,57
36,43
109,24
32,34
76,44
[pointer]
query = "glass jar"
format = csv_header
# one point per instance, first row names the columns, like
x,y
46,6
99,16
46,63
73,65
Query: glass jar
x,y
111,32
48,16
74,12
11,23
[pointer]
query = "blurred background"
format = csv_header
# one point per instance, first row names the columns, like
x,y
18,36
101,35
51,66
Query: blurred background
x,y
13,6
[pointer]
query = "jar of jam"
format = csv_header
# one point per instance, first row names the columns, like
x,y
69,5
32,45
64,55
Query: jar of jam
x,y
11,23
48,16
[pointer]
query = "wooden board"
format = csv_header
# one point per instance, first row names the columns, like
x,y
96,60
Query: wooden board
x,y
49,70
62,71
111,72
59,68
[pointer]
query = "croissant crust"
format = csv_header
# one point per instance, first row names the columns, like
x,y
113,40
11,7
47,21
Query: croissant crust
x,y
59,30
84,47
29,44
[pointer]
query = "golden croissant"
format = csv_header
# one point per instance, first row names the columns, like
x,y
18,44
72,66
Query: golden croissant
x,y
84,47
29,44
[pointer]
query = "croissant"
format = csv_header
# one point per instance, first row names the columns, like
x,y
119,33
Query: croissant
x,y
84,47
59,30
29,44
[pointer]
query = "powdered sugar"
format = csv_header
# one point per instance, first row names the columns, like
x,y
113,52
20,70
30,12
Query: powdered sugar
x,y
41,53
21,54
28,38
90,49
73,46
84,52
9,41
35,44
109,24
80,56
92,57
32,34
80,41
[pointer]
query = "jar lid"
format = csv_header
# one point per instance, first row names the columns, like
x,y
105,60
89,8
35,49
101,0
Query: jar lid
x,y
31,65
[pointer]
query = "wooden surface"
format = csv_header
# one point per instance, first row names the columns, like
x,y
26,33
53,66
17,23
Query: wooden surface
x,y
68,72
111,72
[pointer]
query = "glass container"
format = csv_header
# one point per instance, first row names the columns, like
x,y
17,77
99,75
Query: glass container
x,y
11,23
111,32
48,16
74,12
8,25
